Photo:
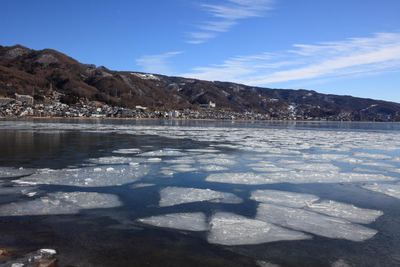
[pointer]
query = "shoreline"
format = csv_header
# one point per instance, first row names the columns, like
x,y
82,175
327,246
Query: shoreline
x,y
33,118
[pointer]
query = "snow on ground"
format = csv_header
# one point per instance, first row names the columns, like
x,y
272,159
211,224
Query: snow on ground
x,y
232,229
171,196
60,203
183,221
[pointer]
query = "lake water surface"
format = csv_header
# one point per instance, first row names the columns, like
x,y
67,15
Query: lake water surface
x,y
198,193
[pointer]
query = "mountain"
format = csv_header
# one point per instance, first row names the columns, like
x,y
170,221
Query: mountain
x,y
48,75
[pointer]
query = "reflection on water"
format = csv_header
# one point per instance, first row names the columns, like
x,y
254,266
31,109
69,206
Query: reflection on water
x,y
178,193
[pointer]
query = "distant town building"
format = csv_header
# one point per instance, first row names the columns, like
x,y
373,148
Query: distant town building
x,y
5,100
141,108
27,99
209,105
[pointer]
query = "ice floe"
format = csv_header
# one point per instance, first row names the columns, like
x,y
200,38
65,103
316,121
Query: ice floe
x,y
392,190
8,172
283,198
171,196
295,177
345,211
163,153
312,203
60,203
312,222
113,160
183,221
232,229
87,176
127,151
239,178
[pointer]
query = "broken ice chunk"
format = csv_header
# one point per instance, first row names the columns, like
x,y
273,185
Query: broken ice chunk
x,y
283,198
127,151
7,172
392,190
183,221
163,153
232,229
60,203
239,178
371,156
87,176
315,223
345,211
171,196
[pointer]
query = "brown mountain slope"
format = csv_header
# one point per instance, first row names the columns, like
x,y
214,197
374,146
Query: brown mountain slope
x,y
40,73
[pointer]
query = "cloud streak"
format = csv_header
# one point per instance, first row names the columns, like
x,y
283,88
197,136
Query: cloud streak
x,y
329,60
222,17
157,63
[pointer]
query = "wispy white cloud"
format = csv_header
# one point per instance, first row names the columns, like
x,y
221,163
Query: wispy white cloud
x,y
222,17
329,60
157,63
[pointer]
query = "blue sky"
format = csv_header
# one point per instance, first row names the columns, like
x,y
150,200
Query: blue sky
x,y
347,47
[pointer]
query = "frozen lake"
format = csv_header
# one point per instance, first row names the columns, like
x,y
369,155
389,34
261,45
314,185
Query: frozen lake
x,y
173,193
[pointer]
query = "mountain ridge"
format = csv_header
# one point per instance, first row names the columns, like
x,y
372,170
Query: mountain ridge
x,y
51,75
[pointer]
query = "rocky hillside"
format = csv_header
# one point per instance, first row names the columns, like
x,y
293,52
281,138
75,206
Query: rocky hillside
x,y
50,75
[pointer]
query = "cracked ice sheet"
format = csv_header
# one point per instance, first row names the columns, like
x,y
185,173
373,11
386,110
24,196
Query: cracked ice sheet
x,y
60,203
295,177
232,229
87,176
283,198
392,190
163,153
127,151
171,196
8,172
182,221
345,211
311,222
312,203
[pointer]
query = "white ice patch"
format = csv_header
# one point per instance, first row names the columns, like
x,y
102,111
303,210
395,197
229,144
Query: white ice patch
x,y
163,153
87,177
345,211
141,185
127,151
232,229
183,168
295,177
371,156
113,160
8,172
239,178
315,223
60,203
203,150
283,198
217,160
392,190
171,196
183,221
213,168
